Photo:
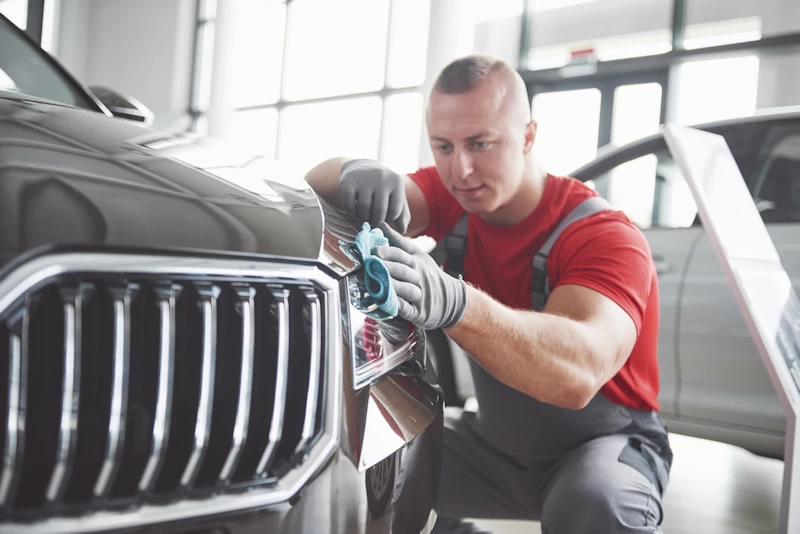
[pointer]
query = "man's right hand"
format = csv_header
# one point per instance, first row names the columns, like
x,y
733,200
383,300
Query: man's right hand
x,y
374,193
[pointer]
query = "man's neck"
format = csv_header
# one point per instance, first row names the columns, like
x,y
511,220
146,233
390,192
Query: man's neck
x,y
525,199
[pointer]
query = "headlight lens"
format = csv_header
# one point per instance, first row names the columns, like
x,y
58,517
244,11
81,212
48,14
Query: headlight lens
x,y
376,347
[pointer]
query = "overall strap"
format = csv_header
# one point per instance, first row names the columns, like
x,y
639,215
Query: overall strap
x,y
455,244
540,291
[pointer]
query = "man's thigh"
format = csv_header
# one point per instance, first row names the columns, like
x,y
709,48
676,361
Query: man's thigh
x,y
596,488
477,481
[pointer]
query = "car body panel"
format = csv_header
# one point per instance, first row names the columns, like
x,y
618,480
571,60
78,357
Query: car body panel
x,y
671,249
76,177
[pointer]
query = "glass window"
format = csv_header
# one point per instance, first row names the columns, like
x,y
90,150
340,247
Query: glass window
x,y
311,133
650,189
16,11
632,188
778,80
560,27
777,192
335,48
773,17
722,33
24,70
568,126
717,89
402,132
259,55
256,130
408,48
637,112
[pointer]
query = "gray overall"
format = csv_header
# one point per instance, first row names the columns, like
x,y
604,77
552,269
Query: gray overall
x,y
599,469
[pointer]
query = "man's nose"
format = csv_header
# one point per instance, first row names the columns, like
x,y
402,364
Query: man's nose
x,y
462,164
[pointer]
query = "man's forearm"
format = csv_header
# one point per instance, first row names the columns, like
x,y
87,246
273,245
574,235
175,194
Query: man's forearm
x,y
546,356
324,179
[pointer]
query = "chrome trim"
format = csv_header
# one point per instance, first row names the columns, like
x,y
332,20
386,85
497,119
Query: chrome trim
x,y
17,392
122,297
202,429
70,393
281,297
430,523
310,421
38,270
246,303
167,296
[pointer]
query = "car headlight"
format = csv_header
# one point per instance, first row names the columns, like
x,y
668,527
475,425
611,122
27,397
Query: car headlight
x,y
376,347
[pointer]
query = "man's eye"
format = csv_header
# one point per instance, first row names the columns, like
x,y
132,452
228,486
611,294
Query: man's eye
x,y
444,148
481,144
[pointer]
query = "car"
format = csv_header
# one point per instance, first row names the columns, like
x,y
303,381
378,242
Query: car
x,y
713,382
179,351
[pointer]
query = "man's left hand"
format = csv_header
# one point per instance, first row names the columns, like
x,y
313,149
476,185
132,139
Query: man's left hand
x,y
429,297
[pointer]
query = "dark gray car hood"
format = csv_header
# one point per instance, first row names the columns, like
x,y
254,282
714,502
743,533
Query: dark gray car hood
x,y
71,177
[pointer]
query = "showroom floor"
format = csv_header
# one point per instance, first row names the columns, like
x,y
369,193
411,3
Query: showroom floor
x,y
714,489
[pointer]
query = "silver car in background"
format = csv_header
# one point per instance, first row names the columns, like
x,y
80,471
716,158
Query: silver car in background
x,y
713,383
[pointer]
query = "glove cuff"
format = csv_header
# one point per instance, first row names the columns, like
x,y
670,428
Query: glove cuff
x,y
457,305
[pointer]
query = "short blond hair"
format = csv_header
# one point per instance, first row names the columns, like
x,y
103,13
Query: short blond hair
x,y
466,73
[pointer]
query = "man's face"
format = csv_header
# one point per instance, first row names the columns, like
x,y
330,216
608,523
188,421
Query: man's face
x,y
479,145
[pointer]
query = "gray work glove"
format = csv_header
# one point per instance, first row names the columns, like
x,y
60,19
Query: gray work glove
x,y
374,194
429,297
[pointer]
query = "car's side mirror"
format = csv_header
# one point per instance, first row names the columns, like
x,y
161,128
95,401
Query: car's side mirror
x,y
123,106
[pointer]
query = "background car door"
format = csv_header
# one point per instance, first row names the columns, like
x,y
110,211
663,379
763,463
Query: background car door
x,y
723,381
645,183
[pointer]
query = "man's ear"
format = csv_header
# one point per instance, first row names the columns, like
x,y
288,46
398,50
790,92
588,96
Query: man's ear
x,y
530,135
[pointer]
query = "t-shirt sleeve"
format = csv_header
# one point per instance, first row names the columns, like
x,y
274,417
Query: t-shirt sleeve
x,y
609,255
428,181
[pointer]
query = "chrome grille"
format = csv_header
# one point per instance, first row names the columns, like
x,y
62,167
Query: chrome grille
x,y
132,387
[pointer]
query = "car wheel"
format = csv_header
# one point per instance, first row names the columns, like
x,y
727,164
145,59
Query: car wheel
x,y
380,484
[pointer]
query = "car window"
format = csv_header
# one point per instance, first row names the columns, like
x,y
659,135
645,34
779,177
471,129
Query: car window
x,y
26,70
777,190
650,189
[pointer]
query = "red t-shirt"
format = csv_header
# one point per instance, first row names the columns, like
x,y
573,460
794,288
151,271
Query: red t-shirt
x,y
604,252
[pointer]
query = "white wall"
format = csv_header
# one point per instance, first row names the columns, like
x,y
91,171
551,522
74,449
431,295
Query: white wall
x,y
141,48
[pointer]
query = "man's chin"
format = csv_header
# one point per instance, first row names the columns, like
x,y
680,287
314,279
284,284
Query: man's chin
x,y
481,209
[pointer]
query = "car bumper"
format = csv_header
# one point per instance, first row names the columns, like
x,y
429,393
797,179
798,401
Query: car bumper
x,y
396,495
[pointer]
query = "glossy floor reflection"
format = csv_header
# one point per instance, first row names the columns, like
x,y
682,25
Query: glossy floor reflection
x,y
714,489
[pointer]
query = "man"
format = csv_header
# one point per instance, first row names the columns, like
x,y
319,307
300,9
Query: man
x,y
566,430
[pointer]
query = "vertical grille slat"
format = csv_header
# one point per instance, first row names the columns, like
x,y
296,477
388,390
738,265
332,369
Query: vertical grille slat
x,y
312,321
96,388
122,297
208,304
126,390
299,376
246,307
166,295
13,447
73,298
281,300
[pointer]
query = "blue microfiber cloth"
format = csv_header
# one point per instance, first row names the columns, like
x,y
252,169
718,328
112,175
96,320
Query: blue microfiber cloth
x,y
376,277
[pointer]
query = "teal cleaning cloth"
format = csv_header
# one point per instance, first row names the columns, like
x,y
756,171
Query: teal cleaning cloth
x,y
376,277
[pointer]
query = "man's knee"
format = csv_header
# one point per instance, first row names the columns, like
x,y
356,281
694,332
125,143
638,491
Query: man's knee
x,y
599,507
580,508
